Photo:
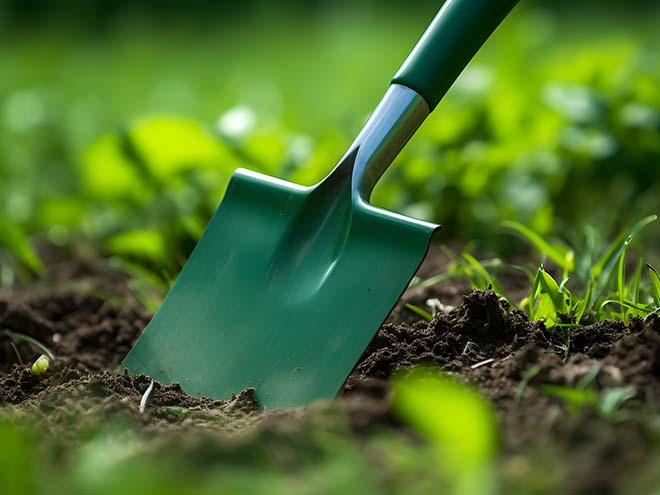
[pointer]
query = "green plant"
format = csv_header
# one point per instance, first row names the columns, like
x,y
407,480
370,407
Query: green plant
x,y
40,366
606,402
561,255
17,336
459,423
16,254
602,288
420,312
465,265
547,300
655,281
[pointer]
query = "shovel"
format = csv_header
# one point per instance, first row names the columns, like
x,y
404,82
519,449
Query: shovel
x,y
288,284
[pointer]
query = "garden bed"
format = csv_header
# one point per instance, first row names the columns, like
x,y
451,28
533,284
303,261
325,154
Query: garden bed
x,y
549,442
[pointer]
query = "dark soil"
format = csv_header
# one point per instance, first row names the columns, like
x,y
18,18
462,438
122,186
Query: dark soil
x,y
480,341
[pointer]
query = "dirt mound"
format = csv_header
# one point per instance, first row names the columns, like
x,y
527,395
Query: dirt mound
x,y
480,340
480,328
510,359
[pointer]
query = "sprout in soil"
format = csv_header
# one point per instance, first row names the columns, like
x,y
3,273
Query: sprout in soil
x,y
145,397
17,336
41,365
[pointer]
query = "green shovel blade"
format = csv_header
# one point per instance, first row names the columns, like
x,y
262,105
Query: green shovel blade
x,y
283,292
288,284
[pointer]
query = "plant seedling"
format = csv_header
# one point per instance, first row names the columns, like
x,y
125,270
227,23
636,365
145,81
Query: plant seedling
x,y
41,365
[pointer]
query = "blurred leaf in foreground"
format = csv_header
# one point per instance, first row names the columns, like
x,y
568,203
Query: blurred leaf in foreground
x,y
458,422
13,239
141,244
16,463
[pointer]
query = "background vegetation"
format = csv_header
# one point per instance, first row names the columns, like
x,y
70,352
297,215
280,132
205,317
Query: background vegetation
x,y
120,125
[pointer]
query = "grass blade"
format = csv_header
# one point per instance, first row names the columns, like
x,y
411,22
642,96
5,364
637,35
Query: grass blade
x,y
531,305
602,270
527,377
562,256
655,283
612,399
30,340
626,304
635,282
436,279
550,287
583,304
621,278
12,237
419,311
574,398
479,268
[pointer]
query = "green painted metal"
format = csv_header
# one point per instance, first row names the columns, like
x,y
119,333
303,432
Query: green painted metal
x,y
282,293
288,284
449,43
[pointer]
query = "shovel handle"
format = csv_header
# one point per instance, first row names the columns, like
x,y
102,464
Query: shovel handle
x,y
455,35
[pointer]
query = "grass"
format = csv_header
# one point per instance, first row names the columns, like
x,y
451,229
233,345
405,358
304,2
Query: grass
x,y
603,289
420,312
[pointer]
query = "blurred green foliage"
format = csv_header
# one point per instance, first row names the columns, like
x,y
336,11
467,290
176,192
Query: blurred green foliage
x,y
554,125
458,421
589,283
118,458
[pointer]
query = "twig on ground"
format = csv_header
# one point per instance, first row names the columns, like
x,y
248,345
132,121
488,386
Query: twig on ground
x,y
482,363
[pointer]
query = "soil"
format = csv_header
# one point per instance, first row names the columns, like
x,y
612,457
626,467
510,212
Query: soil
x,y
476,338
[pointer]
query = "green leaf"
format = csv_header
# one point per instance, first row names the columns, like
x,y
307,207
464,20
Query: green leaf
x,y
613,398
527,377
13,239
454,417
558,296
483,273
561,255
655,283
548,298
106,174
633,287
30,340
575,398
602,270
417,310
625,304
170,144
145,244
